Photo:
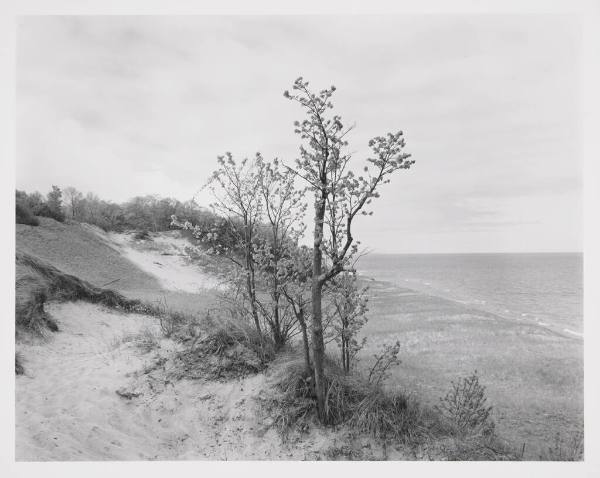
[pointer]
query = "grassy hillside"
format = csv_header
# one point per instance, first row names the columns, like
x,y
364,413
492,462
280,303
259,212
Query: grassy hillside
x,y
533,375
76,249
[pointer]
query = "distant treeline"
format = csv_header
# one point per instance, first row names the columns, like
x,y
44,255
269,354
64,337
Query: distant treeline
x,y
151,212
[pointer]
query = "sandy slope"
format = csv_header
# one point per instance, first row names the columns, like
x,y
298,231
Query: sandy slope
x,y
67,407
166,258
90,392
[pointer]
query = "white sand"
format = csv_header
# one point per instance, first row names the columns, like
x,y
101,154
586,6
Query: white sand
x,y
166,258
67,407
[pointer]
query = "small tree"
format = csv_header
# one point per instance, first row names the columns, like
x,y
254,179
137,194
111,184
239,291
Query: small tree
x,y
72,199
296,286
23,213
384,361
54,205
340,196
236,190
36,203
283,213
349,310
465,406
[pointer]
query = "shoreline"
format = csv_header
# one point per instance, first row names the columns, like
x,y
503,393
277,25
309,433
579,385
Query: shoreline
x,y
533,373
471,306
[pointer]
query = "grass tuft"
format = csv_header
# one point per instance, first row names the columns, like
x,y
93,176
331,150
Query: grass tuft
x,y
368,409
228,349
142,235
350,399
145,341
37,282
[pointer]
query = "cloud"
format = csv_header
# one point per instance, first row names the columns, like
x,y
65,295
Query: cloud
x,y
489,105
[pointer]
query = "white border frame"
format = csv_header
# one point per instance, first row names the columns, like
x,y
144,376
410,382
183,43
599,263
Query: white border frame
x,y
590,15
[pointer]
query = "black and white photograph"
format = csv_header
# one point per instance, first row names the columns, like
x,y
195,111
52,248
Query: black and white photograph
x,y
299,237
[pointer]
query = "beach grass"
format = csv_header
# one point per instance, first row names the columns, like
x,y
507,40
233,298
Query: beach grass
x,y
533,375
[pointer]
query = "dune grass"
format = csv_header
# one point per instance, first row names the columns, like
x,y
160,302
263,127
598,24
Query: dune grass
x,y
76,249
362,408
222,348
37,282
533,377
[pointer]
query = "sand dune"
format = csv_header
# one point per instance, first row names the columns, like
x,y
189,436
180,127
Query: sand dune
x,y
167,260
87,393
67,406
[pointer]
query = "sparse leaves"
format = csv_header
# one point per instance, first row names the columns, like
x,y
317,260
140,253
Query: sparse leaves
x,y
384,361
349,304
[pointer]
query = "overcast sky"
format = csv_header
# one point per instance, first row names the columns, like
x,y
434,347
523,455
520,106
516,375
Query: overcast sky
x,y
489,105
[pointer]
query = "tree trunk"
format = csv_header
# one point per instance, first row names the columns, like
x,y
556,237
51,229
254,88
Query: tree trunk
x,y
277,332
250,281
251,294
305,342
318,345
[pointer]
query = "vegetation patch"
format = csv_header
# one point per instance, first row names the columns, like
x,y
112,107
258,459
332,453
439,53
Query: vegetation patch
x,y
37,282
142,236
352,400
465,407
364,407
227,350
145,341
24,215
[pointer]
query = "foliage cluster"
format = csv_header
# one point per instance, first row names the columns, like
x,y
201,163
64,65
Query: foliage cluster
x,y
142,213
283,288
30,205
351,400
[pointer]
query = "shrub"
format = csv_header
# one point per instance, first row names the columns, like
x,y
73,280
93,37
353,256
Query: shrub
x,y
24,215
142,235
383,362
385,415
350,399
46,211
290,403
175,324
228,350
464,406
145,341
171,322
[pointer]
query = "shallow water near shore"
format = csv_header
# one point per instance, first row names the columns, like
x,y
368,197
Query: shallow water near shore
x,y
515,318
545,288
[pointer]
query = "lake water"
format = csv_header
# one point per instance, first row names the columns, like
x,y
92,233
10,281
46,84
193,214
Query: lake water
x,y
544,288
